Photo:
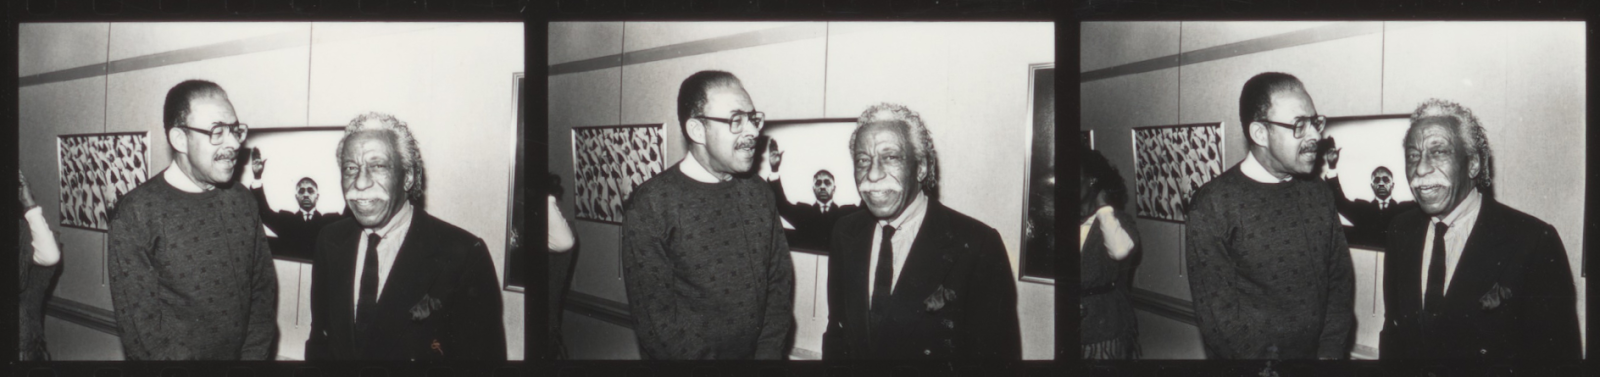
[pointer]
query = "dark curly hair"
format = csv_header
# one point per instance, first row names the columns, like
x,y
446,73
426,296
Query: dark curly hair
x,y
1106,178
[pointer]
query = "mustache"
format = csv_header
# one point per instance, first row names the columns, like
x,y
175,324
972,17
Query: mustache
x,y
748,142
1309,147
226,154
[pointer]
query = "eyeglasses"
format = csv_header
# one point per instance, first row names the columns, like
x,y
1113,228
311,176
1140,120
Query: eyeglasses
x,y
1301,124
740,120
239,131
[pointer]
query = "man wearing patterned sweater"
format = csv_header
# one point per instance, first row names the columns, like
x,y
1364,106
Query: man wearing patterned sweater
x,y
1269,268
704,258
191,274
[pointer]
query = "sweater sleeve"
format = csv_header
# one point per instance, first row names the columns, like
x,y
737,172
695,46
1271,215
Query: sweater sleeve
x,y
1339,320
262,332
133,284
779,322
647,275
1205,246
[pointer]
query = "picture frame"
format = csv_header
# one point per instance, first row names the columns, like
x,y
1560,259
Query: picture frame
x,y
1367,145
609,162
1087,141
292,155
96,170
809,148
1170,163
1037,262
516,258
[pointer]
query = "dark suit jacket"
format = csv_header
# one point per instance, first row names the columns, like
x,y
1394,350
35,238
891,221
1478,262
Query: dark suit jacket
x,y
438,264
955,298
297,237
1506,248
812,226
1368,221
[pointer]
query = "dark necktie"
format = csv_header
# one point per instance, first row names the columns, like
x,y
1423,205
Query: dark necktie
x,y
369,282
1434,298
883,275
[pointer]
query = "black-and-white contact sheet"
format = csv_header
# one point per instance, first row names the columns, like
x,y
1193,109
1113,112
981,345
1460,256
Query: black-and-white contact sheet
x,y
448,84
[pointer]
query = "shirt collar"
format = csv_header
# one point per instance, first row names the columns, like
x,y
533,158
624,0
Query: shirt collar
x,y
181,181
1252,168
692,168
1468,207
912,216
401,219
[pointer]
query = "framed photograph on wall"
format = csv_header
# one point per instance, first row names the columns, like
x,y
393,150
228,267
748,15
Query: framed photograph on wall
x,y
608,163
298,188
1038,262
94,170
814,180
1367,158
1087,139
515,258
1170,163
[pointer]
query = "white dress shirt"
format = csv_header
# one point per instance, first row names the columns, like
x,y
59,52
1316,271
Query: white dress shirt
x,y
393,235
1251,167
181,181
1460,221
905,233
692,168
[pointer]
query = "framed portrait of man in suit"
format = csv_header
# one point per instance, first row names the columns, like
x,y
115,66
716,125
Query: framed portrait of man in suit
x,y
1363,161
1038,263
295,179
808,165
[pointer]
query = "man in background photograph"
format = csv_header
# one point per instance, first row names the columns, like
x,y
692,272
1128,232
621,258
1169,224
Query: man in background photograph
x,y
297,230
704,257
813,222
910,278
393,282
190,271
1467,277
1269,268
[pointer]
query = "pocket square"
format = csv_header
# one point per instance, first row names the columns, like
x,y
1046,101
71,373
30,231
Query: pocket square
x,y
1496,295
425,308
939,297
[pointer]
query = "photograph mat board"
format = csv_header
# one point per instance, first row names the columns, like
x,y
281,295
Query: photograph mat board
x,y
1170,163
1037,262
608,163
95,170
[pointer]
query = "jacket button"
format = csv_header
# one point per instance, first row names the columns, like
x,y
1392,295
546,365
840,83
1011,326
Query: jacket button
x,y
1483,351
927,352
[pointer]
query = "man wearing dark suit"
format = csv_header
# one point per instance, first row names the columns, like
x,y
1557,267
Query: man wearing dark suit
x,y
1368,218
813,222
910,278
394,283
1466,277
297,230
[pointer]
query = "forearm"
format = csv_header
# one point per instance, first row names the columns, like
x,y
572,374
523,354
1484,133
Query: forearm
x,y
995,326
1119,244
480,319
1339,320
779,319
561,238
45,250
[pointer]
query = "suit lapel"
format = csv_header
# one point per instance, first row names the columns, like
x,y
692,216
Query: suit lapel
x,y
857,300
925,267
1480,259
1408,265
344,270
414,267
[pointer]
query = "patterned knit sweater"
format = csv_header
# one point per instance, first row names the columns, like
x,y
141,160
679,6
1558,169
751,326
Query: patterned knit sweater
x,y
191,275
707,269
1269,270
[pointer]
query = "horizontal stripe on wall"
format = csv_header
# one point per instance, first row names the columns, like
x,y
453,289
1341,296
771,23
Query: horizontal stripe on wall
x,y
700,47
1241,48
85,315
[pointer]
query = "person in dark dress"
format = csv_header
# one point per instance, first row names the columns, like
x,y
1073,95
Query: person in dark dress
x,y
1108,239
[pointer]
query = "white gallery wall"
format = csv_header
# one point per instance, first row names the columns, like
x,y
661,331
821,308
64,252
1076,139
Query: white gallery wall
x,y
1524,81
969,81
451,82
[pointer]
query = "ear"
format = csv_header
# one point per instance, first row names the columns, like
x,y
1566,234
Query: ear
x,y
411,178
179,139
1259,134
696,130
922,170
1474,167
